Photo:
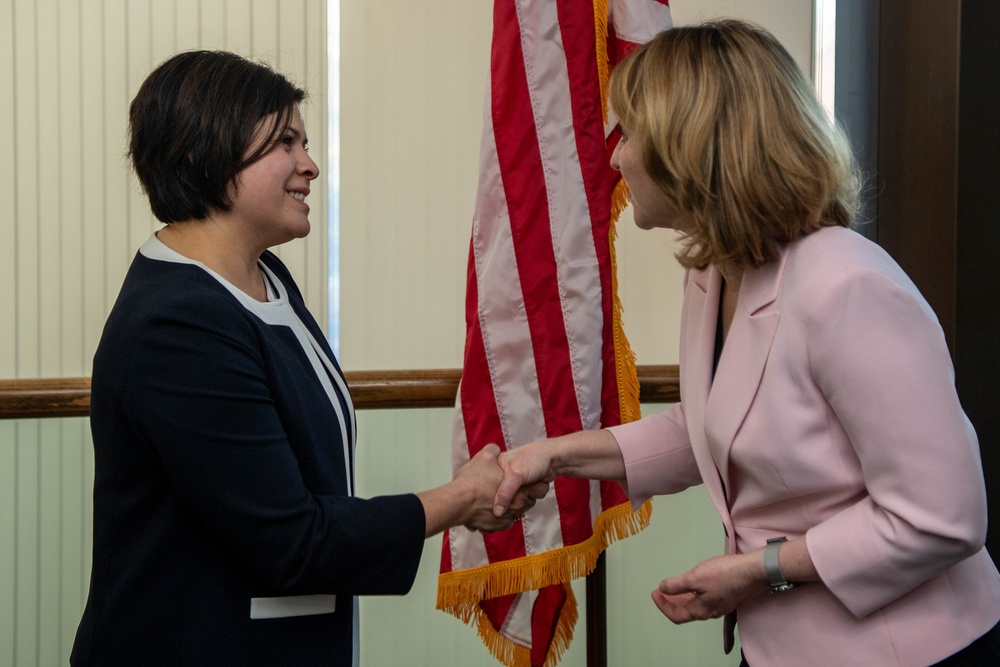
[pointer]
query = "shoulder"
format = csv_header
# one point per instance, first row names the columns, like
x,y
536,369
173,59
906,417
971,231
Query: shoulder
x,y
171,317
835,249
168,305
850,294
154,287
834,259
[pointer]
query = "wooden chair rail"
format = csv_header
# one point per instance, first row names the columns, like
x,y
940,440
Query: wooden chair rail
x,y
370,390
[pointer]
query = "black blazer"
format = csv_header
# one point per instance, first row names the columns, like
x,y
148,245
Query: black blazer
x,y
220,476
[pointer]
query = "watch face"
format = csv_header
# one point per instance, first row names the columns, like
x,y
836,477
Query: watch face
x,y
781,588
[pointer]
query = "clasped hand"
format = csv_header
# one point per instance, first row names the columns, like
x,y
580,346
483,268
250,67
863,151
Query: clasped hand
x,y
711,589
484,474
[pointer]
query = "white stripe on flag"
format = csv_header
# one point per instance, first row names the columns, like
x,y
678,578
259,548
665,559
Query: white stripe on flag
x,y
569,212
638,22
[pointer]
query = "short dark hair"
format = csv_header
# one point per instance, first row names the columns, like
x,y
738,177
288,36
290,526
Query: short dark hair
x,y
192,123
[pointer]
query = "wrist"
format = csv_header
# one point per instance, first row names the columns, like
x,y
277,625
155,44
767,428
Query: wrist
x,y
557,461
775,576
465,497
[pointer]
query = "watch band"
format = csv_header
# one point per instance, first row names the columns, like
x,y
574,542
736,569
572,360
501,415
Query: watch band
x,y
775,577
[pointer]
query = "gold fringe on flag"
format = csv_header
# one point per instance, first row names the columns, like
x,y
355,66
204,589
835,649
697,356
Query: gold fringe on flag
x,y
628,380
515,655
460,591
601,29
463,587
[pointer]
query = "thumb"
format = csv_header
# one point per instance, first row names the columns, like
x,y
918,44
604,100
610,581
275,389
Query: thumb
x,y
674,586
505,493
491,451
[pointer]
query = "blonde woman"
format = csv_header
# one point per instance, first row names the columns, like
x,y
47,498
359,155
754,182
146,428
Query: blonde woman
x,y
817,405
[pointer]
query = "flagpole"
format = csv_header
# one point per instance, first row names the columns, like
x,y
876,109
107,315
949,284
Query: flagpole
x,y
597,615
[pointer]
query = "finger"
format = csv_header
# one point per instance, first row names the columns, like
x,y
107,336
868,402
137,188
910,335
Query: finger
x,y
538,490
518,507
496,526
671,607
505,493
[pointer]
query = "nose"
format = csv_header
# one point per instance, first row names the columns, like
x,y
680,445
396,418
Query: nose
x,y
308,166
616,156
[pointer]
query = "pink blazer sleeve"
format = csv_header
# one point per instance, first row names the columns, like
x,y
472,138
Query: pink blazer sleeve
x,y
879,356
658,456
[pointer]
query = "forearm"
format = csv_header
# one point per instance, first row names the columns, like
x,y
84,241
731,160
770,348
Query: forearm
x,y
588,455
721,584
446,506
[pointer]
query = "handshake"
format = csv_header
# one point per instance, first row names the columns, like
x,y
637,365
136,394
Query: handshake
x,y
496,490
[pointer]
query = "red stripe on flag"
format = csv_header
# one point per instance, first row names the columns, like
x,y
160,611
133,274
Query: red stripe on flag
x,y
479,410
480,415
544,615
527,202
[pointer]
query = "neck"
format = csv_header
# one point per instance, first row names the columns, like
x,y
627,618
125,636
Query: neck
x,y
215,246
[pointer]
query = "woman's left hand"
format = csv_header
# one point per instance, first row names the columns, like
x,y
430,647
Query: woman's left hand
x,y
712,589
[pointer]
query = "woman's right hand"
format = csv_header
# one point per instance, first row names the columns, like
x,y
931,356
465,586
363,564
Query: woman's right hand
x,y
524,466
484,475
584,455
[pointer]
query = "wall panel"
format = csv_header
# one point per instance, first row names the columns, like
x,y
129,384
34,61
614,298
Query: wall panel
x,y
71,219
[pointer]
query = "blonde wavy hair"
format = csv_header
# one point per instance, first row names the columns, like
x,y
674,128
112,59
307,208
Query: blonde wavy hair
x,y
732,133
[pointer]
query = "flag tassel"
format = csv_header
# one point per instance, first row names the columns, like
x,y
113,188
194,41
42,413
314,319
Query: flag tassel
x,y
460,590
513,654
628,379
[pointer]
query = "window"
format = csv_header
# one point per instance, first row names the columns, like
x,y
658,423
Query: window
x,y
824,51
333,169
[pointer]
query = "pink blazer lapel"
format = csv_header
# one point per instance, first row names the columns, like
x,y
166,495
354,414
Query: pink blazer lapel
x,y
720,407
744,357
699,317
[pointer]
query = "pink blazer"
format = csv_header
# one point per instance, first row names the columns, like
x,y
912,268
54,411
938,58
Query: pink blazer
x,y
833,414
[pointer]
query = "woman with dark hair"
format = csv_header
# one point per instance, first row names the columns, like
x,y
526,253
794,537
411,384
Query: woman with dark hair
x,y
818,404
226,526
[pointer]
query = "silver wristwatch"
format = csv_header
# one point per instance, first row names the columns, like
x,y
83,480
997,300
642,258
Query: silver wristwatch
x,y
775,578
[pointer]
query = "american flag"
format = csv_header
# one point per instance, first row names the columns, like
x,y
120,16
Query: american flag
x,y
545,354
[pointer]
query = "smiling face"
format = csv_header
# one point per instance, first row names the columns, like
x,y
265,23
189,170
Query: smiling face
x,y
268,199
650,207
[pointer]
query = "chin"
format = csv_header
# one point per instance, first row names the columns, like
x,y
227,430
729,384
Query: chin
x,y
300,231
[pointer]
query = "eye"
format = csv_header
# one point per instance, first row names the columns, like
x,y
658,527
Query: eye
x,y
288,140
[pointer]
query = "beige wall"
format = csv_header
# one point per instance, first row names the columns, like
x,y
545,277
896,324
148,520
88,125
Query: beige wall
x,y
71,218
